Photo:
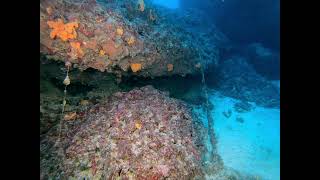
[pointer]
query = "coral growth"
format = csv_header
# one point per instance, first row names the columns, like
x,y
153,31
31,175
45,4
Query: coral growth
x,y
138,125
126,35
63,31
102,53
141,134
111,50
135,67
90,44
120,31
130,40
76,51
100,64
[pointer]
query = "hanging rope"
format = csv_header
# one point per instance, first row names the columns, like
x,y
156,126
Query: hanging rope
x,y
208,111
66,82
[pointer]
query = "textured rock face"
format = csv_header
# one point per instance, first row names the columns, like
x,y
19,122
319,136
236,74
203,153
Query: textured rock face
x,y
264,60
114,35
142,134
238,79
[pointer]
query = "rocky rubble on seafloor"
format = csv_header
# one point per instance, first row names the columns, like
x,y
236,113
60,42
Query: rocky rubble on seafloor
x,y
238,79
120,38
141,134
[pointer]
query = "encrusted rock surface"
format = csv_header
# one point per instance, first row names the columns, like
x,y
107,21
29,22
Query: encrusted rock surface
x,y
141,134
111,36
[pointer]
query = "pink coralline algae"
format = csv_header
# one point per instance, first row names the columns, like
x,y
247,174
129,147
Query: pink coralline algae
x,y
164,170
141,134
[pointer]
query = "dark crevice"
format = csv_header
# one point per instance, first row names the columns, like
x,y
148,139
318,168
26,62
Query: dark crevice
x,y
75,88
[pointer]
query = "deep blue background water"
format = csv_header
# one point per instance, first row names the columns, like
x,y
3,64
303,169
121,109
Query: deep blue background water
x,y
243,21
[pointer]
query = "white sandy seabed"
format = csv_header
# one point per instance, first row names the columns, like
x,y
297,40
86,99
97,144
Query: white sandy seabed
x,y
252,146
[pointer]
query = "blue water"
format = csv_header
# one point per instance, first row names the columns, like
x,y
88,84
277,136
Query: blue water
x,y
251,147
172,4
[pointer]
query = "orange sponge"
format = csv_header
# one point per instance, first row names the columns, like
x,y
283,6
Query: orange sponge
x,y
135,67
119,31
130,40
76,49
63,31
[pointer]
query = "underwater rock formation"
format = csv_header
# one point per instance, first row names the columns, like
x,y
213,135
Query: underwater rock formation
x,y
117,37
141,134
88,86
264,60
238,79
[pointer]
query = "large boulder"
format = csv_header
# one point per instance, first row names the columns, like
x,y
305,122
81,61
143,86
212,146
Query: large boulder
x,y
141,134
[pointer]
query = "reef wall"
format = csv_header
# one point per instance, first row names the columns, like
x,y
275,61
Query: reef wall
x,y
125,38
